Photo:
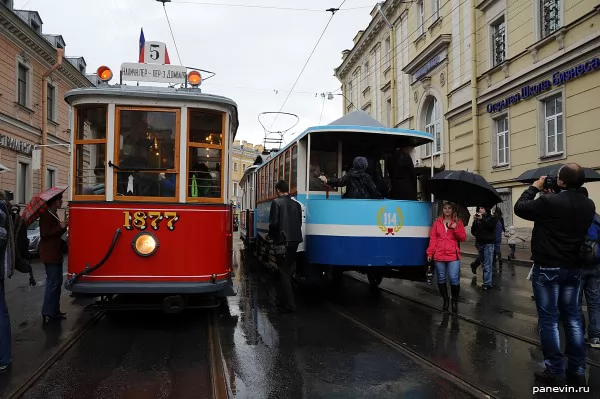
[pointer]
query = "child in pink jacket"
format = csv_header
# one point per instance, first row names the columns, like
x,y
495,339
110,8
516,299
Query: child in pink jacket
x,y
446,233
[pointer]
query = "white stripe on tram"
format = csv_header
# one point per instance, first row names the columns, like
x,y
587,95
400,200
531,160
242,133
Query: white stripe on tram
x,y
343,230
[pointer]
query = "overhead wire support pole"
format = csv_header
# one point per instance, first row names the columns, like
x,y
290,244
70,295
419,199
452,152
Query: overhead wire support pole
x,y
332,11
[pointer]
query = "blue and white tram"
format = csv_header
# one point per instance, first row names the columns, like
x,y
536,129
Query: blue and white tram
x,y
381,238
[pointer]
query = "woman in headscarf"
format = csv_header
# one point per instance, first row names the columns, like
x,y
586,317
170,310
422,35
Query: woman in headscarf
x,y
358,183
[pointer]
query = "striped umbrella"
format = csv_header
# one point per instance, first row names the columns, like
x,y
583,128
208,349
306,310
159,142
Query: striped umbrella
x,y
39,204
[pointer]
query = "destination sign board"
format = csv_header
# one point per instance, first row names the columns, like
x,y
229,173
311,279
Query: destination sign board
x,y
156,73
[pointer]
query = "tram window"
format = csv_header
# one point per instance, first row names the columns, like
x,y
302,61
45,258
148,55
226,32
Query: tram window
x,y
90,169
282,167
146,142
204,179
287,166
206,127
275,173
321,162
90,150
205,155
293,178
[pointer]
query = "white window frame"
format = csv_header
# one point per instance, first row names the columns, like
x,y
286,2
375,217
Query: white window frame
x,y
55,171
54,116
366,74
20,61
28,182
435,128
491,28
420,17
539,23
235,166
542,124
235,189
435,9
496,141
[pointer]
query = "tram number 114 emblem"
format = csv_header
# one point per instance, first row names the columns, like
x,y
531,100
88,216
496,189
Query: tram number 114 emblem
x,y
390,222
141,220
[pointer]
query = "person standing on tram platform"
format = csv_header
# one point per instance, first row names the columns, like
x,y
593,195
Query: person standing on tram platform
x,y
446,234
7,264
51,255
403,176
285,231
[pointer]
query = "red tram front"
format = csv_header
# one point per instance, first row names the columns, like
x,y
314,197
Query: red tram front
x,y
150,211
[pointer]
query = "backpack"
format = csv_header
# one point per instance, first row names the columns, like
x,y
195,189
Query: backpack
x,y
590,249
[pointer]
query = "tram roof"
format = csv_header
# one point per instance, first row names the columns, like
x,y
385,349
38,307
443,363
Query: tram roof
x,y
361,122
155,92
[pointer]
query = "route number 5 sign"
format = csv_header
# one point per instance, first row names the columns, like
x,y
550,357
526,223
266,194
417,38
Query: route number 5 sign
x,y
154,53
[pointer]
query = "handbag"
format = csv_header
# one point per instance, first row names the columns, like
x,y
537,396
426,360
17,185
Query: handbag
x,y
280,249
589,251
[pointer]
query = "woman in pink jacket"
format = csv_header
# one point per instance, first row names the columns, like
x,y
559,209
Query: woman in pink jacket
x,y
444,238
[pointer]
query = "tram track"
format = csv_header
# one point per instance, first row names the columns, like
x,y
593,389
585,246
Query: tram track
x,y
418,358
215,378
471,320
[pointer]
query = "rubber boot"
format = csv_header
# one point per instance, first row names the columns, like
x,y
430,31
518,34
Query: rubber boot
x,y
455,289
444,291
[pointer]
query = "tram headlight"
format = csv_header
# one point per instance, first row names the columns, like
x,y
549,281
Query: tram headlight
x,y
145,244
104,73
194,78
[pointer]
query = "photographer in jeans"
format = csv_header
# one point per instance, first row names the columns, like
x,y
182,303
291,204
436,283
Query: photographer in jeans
x,y
561,220
484,231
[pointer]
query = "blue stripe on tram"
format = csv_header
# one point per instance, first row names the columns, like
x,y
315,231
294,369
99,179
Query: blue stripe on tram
x,y
366,251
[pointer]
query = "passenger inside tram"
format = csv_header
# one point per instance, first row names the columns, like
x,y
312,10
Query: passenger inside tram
x,y
403,176
358,183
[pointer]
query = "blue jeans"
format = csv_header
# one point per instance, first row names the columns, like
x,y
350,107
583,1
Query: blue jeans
x,y
5,338
453,270
486,254
590,285
556,292
54,278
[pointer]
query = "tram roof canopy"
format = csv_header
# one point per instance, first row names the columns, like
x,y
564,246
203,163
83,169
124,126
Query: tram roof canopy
x,y
157,93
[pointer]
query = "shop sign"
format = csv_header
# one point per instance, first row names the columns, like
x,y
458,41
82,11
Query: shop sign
x,y
15,144
432,63
558,78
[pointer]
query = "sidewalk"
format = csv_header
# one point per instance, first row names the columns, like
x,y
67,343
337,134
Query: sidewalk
x,y
521,255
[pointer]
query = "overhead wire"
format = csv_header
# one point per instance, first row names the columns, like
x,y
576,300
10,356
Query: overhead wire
x,y
258,6
172,35
333,11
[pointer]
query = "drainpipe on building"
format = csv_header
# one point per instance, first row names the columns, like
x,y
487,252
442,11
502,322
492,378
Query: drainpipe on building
x,y
59,57
393,61
474,110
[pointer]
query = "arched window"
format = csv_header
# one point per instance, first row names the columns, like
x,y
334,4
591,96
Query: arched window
x,y
432,125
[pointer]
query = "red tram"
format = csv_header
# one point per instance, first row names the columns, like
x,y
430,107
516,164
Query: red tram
x,y
149,209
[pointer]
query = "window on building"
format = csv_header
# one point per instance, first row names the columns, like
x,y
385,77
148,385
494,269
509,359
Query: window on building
x,y
435,9
205,156
388,105
24,182
50,178
366,74
22,82
235,189
498,41
432,125
553,125
235,167
51,102
350,92
243,167
90,150
35,26
501,147
550,16
420,17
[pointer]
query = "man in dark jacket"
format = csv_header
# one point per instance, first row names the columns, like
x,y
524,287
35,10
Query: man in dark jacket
x,y
403,175
484,231
358,183
561,221
285,230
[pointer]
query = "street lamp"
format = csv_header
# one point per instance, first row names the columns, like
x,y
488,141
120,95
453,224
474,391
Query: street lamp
x,y
330,97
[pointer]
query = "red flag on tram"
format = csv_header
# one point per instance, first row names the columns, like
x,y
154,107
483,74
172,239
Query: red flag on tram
x,y
141,49
167,60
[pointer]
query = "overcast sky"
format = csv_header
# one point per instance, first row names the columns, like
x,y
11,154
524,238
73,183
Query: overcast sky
x,y
257,53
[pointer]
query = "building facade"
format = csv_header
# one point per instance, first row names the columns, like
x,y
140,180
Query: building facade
x,y
26,55
504,86
243,155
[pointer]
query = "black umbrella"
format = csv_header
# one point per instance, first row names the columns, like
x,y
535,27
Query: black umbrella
x,y
462,187
552,170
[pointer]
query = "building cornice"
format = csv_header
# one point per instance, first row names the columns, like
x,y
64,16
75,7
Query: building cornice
x,y
440,43
36,46
485,4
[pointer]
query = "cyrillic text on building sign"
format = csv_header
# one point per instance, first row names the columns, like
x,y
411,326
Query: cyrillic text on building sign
x,y
558,78
432,63
156,73
15,144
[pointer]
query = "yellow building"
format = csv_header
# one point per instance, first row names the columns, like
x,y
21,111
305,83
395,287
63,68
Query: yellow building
x,y
503,85
243,155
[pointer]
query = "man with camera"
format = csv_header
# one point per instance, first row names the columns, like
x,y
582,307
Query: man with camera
x,y
561,217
